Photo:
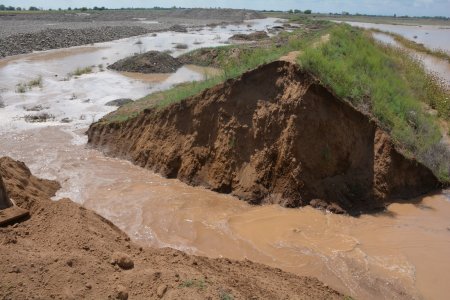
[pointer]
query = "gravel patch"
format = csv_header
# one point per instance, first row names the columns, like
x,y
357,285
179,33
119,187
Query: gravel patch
x,y
24,33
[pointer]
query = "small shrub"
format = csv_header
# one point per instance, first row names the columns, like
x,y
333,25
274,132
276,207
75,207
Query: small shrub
x,y
81,71
21,88
181,46
196,283
40,118
226,296
35,82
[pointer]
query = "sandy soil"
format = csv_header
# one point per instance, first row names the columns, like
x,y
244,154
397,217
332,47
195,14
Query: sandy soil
x,y
67,252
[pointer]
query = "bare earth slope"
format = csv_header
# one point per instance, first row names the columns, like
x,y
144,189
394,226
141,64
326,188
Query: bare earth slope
x,y
66,252
274,135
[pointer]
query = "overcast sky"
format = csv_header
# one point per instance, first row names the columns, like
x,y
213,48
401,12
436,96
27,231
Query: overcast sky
x,y
383,7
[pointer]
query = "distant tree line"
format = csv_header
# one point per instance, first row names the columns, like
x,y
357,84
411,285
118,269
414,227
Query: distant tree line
x,y
297,11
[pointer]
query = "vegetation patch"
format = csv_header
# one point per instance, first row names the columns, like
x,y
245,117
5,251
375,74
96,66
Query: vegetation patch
x,y
80,71
24,87
194,283
389,84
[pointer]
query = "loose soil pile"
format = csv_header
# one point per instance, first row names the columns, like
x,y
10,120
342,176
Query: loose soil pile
x,y
149,62
67,252
274,135
254,36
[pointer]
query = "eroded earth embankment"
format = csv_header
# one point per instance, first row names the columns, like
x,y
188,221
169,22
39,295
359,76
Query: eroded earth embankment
x,y
274,135
64,251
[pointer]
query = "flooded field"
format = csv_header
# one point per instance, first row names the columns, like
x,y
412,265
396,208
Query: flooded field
x,y
399,254
433,37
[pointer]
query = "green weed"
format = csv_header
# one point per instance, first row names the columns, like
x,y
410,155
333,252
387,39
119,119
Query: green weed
x,y
81,71
390,83
195,283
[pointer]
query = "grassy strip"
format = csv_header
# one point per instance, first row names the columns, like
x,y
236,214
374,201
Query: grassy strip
x,y
389,84
232,67
416,46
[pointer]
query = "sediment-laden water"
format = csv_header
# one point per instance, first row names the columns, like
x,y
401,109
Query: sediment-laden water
x,y
400,254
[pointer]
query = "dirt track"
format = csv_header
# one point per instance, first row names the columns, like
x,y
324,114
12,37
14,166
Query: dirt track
x,y
67,252
274,135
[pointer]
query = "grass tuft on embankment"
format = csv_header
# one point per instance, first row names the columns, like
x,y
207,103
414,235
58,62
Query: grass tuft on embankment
x,y
389,84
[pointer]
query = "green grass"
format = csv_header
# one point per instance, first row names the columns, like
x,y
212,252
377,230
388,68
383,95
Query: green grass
x,y
194,283
81,71
387,83
24,87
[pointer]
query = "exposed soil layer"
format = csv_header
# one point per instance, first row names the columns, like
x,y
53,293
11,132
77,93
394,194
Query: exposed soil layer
x,y
274,135
65,251
148,62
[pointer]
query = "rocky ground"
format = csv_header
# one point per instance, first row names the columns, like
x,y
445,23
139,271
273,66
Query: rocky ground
x,y
23,33
64,251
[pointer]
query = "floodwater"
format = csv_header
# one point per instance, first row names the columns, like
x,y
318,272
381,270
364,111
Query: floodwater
x,y
433,37
400,254
432,64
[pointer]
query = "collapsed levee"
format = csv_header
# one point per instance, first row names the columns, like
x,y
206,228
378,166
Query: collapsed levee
x,y
273,135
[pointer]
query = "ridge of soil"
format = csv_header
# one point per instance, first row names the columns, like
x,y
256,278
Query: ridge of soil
x,y
64,251
148,62
273,135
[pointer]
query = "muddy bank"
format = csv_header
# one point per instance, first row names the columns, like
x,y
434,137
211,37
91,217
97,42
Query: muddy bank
x,y
149,62
66,251
274,135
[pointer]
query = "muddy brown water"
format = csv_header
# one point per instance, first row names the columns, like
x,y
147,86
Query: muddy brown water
x,y
400,254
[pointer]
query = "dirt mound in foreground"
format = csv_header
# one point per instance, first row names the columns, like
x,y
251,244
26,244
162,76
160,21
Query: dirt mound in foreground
x,y
148,62
274,135
67,252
